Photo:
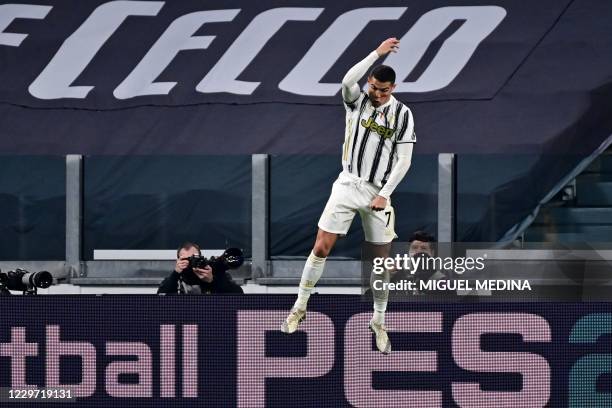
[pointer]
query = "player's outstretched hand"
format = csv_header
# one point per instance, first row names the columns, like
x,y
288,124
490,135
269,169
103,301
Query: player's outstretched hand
x,y
387,46
378,203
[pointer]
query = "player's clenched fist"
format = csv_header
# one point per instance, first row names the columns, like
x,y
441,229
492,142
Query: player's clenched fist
x,y
387,46
378,203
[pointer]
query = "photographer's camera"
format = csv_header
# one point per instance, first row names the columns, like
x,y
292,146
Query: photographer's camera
x,y
25,281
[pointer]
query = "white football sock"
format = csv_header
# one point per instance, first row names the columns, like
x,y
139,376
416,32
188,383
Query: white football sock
x,y
380,297
311,274
379,312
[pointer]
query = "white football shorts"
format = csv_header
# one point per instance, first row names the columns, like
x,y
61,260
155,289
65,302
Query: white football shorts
x,y
350,195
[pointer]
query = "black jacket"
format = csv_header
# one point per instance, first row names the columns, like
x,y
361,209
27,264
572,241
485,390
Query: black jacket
x,y
191,284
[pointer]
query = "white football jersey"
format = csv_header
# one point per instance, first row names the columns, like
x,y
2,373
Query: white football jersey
x,y
372,135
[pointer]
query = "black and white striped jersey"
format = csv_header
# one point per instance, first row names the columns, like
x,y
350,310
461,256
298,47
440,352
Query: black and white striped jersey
x,y
372,137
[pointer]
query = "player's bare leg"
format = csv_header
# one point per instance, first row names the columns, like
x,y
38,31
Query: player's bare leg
x,y
380,297
312,272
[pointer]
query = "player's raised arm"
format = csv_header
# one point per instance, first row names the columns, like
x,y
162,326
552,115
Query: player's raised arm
x,y
350,87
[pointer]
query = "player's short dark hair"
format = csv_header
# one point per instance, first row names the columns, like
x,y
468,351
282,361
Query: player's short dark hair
x,y
383,73
186,246
422,236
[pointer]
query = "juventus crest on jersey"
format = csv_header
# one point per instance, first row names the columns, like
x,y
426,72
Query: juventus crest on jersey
x,y
372,135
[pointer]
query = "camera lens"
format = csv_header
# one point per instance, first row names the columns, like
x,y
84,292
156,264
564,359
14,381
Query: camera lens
x,y
42,279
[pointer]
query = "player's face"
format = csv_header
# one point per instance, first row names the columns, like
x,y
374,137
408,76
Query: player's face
x,y
379,92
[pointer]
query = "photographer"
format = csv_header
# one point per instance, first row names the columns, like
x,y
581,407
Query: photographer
x,y
209,279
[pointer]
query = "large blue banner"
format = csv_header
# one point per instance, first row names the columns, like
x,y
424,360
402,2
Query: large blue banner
x,y
228,351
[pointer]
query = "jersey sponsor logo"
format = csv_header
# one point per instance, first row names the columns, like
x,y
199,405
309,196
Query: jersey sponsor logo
x,y
375,127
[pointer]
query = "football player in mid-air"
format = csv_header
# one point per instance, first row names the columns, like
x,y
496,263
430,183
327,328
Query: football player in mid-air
x,y
377,153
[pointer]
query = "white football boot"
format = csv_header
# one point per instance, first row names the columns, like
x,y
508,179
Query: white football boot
x,y
382,340
291,323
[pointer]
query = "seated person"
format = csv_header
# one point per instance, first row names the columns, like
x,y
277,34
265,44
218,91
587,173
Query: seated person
x,y
421,244
186,280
